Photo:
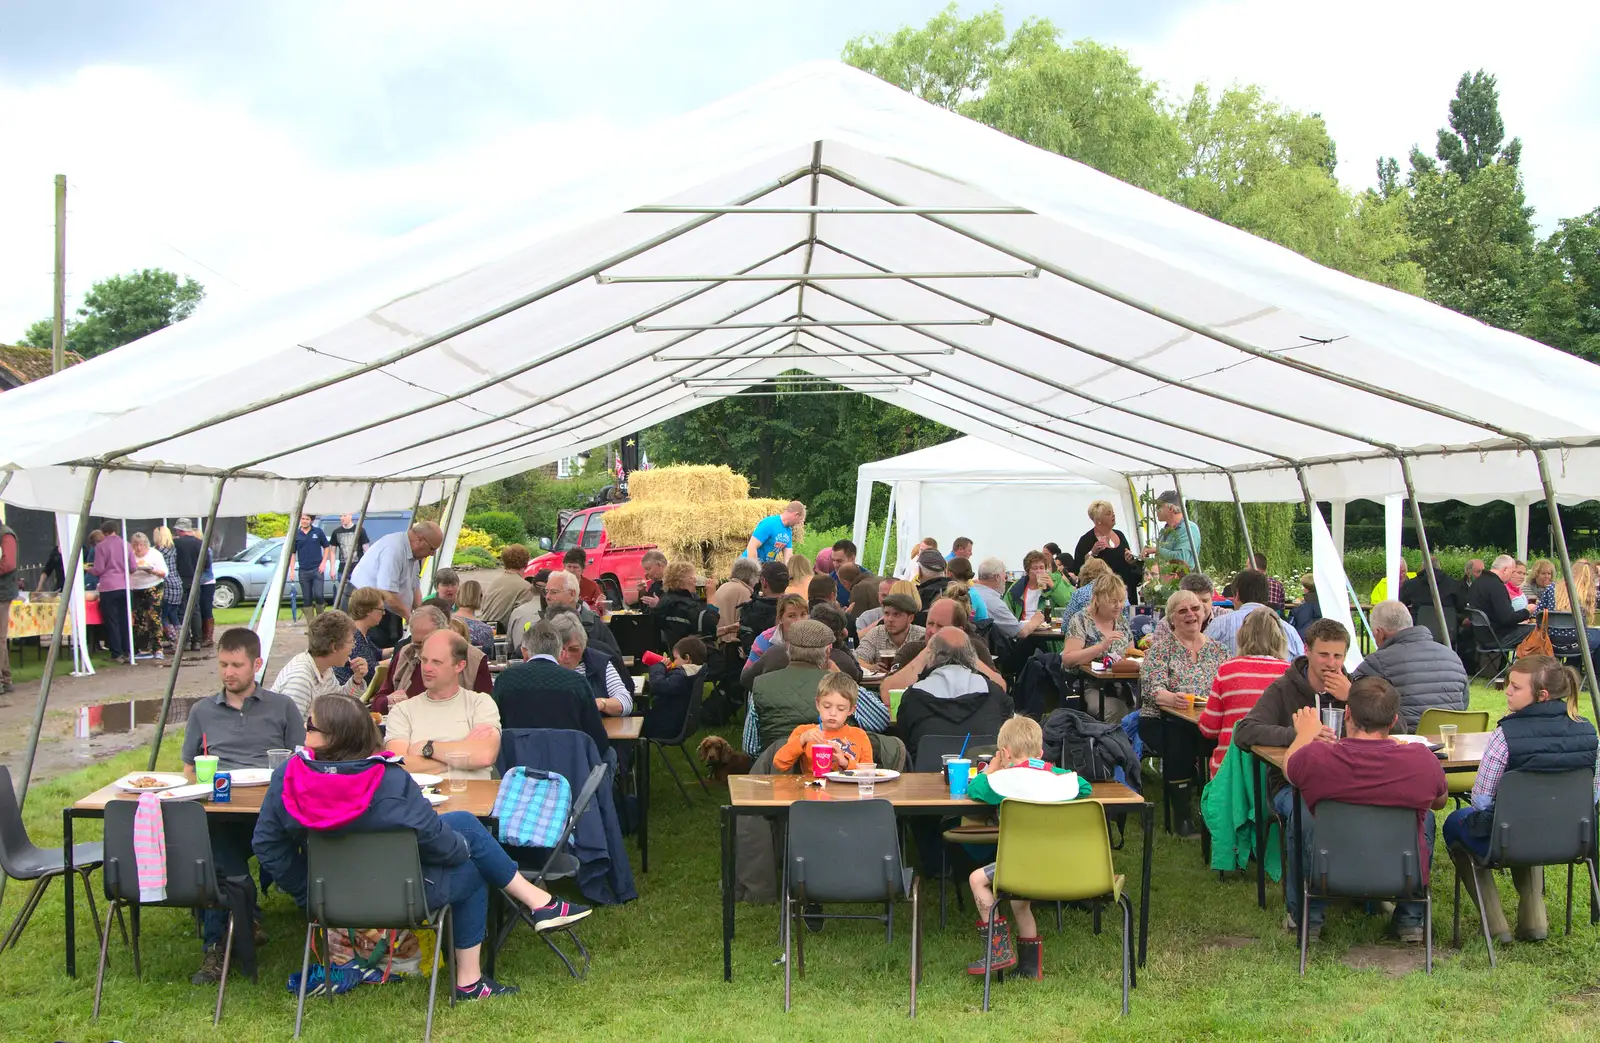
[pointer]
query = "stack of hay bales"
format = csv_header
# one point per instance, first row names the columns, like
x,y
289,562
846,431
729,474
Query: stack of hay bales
x,y
699,514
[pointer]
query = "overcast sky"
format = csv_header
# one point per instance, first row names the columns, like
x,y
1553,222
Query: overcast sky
x,y
256,146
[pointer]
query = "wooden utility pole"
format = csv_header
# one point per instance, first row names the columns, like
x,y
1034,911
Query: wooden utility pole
x,y
58,324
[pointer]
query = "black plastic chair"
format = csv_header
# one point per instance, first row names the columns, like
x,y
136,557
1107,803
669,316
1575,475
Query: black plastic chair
x,y
21,859
1491,646
374,880
691,724
1446,635
1540,819
191,880
848,852
558,864
1361,851
930,758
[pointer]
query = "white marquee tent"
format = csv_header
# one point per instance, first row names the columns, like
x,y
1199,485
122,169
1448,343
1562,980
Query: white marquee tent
x,y
825,222
1006,502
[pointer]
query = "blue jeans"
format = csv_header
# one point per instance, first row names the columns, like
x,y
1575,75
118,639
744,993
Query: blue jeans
x,y
466,886
230,848
1406,914
1455,834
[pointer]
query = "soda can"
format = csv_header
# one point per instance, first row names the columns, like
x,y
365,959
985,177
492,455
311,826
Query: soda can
x,y
222,788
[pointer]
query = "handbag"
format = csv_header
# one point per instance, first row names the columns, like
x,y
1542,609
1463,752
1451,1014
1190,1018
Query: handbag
x,y
1538,641
532,807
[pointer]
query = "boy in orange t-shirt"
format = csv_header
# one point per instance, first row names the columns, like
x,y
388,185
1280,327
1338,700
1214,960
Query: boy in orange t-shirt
x,y
836,701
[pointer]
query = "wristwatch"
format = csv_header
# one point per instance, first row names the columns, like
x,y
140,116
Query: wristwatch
x,y
427,750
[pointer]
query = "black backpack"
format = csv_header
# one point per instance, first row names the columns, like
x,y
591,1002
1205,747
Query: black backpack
x,y
1093,749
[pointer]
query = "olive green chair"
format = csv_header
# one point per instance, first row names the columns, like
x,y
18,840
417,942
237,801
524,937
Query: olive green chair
x,y
1459,783
1058,853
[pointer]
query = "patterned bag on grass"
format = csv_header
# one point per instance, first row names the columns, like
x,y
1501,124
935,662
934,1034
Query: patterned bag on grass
x,y
532,807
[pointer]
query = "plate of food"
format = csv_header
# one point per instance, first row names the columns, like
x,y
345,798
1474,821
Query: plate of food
x,y
434,796
251,776
423,779
854,775
150,782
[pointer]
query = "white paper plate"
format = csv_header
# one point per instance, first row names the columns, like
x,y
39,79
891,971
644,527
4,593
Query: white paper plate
x,y
251,776
422,778
436,798
197,791
164,780
878,775
1411,738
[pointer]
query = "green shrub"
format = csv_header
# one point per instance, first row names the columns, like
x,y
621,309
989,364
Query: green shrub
x,y
504,526
537,499
478,556
267,525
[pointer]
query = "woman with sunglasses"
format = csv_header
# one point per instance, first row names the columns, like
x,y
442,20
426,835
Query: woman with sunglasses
x,y
346,782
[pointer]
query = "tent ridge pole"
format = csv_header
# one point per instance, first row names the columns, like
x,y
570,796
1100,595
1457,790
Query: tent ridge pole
x,y
1015,401
811,223
1110,360
1181,322
189,607
1427,551
70,565
1244,526
1578,620
471,324
515,371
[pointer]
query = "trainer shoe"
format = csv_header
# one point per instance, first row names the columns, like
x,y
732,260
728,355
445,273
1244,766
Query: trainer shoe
x,y
484,988
1410,933
556,915
1313,933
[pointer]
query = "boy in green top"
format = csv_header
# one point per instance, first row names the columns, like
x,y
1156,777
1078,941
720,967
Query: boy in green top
x,y
1019,745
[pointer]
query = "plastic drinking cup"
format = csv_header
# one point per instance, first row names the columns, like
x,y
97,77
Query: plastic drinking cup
x,y
1447,738
205,767
865,785
1333,719
456,765
894,695
821,759
277,759
957,771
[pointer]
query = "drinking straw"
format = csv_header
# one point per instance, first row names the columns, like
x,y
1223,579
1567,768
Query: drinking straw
x,y
959,756
205,749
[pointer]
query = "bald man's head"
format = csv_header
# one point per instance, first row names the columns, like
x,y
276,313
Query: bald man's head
x,y
426,538
944,613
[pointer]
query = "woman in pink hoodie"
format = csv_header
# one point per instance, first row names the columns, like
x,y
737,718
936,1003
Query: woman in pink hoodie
x,y
347,782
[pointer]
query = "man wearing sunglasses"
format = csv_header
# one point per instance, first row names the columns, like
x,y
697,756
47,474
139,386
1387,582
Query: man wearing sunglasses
x,y
390,565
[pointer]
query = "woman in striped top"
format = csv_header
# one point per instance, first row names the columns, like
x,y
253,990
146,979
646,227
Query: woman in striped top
x,y
1262,659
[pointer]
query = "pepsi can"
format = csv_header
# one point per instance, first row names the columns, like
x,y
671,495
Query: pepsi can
x,y
222,788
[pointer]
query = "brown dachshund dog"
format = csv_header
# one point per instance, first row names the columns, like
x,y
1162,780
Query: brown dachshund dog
x,y
719,755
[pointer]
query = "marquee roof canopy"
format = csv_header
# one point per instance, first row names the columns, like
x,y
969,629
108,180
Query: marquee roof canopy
x,y
829,223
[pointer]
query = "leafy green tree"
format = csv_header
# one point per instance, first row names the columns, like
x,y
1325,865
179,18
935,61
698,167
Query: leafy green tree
x,y
1564,306
124,308
1476,130
949,61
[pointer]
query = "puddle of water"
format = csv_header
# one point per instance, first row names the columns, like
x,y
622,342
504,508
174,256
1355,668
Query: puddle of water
x,y
122,717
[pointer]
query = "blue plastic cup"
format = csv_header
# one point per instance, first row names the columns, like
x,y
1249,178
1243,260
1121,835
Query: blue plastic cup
x,y
958,771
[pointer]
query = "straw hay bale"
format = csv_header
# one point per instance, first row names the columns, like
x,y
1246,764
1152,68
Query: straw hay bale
x,y
687,484
710,534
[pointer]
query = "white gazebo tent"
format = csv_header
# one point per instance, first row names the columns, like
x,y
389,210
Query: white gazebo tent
x,y
826,223
1006,502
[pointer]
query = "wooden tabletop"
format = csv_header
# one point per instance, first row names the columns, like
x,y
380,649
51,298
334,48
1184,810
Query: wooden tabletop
x,y
1121,670
910,790
1469,752
477,800
1190,714
624,729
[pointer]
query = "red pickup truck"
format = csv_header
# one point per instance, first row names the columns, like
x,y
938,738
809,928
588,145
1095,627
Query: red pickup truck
x,y
618,569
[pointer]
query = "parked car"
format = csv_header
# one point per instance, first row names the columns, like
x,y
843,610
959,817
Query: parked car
x,y
246,575
618,569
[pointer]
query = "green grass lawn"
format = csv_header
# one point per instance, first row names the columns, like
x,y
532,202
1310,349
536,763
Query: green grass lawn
x,y
1219,968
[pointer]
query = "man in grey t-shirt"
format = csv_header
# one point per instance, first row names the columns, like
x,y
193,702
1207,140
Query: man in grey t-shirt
x,y
237,726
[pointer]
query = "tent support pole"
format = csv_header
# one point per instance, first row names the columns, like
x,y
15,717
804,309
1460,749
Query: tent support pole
x,y
1244,526
1311,508
355,545
189,608
5,480
68,564
1427,551
1578,622
447,505
888,528
1210,333
1183,505
571,279
281,580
